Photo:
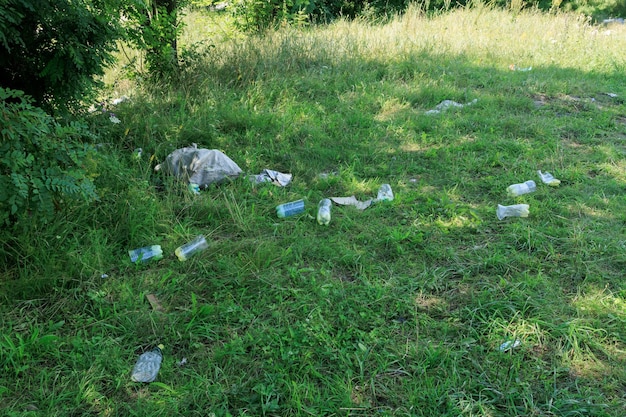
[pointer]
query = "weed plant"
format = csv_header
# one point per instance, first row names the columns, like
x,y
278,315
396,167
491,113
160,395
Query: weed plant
x,y
400,309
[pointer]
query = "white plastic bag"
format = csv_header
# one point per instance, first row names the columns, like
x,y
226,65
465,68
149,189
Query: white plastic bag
x,y
200,166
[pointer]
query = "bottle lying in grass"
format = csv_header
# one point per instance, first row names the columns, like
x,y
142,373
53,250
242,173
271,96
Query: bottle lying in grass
x,y
516,210
323,211
188,249
145,254
148,365
523,188
290,209
549,179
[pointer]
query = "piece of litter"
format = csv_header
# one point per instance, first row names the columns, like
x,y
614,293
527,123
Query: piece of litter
x,y
154,302
612,95
514,67
385,193
194,188
182,362
446,104
147,366
200,166
104,276
352,201
549,179
508,345
275,177
120,100
516,210
326,175
137,153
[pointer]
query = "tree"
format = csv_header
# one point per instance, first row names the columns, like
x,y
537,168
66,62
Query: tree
x,y
52,49
154,26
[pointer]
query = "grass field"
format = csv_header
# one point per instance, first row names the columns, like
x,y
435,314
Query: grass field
x,y
400,309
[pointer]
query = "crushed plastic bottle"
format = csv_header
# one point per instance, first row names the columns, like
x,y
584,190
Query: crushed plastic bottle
x,y
148,365
523,188
290,209
146,253
188,249
323,211
549,179
385,193
510,344
516,210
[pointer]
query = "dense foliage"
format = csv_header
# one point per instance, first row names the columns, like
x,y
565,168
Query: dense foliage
x,y
51,50
262,14
154,26
41,161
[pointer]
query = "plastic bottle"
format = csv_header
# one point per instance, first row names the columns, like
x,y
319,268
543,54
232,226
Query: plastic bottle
x,y
516,210
549,179
148,365
323,211
146,253
188,249
385,193
290,209
523,188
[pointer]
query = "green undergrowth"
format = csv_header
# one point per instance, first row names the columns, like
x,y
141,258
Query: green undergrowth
x,y
399,309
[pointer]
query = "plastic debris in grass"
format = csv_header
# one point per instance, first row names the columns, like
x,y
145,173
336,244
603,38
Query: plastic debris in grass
x,y
509,345
147,367
120,100
352,201
202,167
275,177
145,254
385,193
137,153
189,249
290,209
514,67
549,179
447,104
516,210
522,188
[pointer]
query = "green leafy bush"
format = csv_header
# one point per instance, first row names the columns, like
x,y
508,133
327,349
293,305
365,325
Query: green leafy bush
x,y
51,49
154,27
258,15
42,162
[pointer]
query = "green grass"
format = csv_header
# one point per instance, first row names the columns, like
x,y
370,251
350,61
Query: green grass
x,y
395,310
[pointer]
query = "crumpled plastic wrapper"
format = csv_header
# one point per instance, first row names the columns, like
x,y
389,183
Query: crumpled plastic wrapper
x,y
446,104
275,177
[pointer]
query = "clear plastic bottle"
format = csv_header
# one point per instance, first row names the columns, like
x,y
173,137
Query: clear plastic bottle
x,y
146,253
323,211
523,188
188,249
516,210
385,193
549,179
290,209
148,365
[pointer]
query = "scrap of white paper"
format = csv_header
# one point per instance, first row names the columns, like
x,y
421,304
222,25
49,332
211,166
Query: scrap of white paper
x,y
352,201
